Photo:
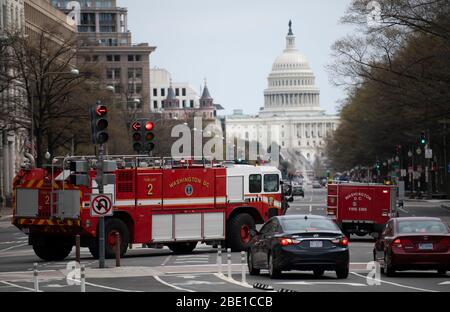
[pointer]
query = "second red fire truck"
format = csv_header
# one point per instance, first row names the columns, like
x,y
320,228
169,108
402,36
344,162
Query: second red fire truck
x,y
156,202
360,208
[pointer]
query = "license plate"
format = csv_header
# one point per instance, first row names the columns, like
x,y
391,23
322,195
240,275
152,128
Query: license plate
x,y
426,246
316,244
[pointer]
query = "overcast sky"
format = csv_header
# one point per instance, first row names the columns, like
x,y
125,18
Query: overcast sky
x,y
233,43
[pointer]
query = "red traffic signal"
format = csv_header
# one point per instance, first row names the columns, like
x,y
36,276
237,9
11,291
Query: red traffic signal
x,y
136,126
101,110
149,126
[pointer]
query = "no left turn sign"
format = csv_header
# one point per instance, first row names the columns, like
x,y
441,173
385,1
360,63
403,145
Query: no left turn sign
x,y
101,205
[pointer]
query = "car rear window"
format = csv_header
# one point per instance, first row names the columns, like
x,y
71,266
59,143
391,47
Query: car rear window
x,y
308,225
422,226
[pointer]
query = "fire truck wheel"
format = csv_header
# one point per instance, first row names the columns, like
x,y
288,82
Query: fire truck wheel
x,y
112,226
182,248
52,249
238,231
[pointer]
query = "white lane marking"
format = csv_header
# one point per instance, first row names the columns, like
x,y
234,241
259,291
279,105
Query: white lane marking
x,y
18,286
310,209
193,256
104,287
166,260
321,283
445,283
172,286
232,281
403,210
396,284
9,248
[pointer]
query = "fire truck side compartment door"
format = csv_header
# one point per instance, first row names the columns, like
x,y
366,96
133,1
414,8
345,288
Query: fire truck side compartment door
x,y
27,203
162,228
69,204
235,189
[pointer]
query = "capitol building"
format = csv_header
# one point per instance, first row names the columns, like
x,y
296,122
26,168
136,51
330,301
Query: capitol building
x,y
292,106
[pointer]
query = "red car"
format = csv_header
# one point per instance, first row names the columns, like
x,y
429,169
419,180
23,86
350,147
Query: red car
x,y
414,244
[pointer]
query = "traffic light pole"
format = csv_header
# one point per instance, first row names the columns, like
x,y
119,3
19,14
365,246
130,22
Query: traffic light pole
x,y
101,224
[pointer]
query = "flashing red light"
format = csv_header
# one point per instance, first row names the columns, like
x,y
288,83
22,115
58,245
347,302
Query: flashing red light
x,y
149,126
101,110
397,243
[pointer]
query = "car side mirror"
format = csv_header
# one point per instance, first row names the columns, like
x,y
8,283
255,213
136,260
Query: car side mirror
x,y
291,199
253,233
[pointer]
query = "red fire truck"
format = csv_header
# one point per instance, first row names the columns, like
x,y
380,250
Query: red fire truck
x,y
361,209
156,202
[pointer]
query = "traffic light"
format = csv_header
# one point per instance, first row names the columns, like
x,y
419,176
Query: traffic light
x,y
423,139
99,124
143,135
149,136
137,136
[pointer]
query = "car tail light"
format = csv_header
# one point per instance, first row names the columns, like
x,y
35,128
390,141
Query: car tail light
x,y
341,241
331,212
286,242
385,213
397,243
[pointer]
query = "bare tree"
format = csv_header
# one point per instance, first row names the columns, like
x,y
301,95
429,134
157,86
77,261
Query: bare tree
x,y
53,97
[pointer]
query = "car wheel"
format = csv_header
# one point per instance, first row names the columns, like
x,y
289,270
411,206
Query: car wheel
x,y
274,272
251,268
342,273
442,272
389,270
319,272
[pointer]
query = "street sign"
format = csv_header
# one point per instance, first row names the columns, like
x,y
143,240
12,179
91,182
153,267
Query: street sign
x,y
403,172
416,175
428,153
101,205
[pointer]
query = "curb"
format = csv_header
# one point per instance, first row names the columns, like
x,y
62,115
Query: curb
x,y
445,207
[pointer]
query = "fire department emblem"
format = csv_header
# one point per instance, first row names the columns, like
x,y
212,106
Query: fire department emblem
x,y
189,190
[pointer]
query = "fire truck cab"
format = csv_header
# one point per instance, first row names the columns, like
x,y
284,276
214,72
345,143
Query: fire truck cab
x,y
156,203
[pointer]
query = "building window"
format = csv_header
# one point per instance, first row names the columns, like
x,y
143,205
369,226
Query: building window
x,y
163,92
184,103
113,73
113,58
155,104
183,92
177,92
134,58
192,103
155,92
134,73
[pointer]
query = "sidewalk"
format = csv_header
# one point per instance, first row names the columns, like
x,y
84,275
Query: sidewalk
x,y
5,213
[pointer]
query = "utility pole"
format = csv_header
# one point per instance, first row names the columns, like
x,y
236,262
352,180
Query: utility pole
x,y
101,224
429,179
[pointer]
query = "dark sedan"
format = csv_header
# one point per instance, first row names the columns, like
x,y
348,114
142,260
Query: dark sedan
x,y
414,244
301,243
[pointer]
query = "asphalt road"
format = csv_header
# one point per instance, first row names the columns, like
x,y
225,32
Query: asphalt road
x,y
160,270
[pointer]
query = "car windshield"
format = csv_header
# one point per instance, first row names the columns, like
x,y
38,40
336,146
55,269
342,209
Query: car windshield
x,y
422,226
309,225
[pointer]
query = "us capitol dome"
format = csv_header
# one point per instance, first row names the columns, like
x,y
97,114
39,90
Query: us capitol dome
x,y
292,104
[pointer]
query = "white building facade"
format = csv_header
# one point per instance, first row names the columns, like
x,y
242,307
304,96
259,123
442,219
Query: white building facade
x,y
161,81
292,116
12,136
